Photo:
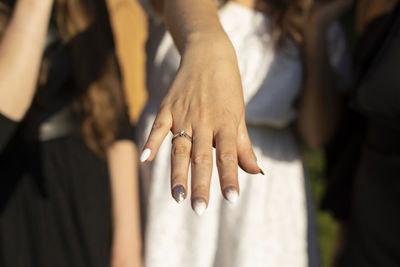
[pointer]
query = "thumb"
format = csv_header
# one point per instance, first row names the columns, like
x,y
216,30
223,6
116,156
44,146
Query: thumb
x,y
247,159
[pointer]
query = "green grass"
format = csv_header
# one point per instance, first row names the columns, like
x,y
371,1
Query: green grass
x,y
327,226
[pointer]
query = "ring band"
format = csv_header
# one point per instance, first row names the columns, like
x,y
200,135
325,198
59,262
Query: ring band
x,y
182,133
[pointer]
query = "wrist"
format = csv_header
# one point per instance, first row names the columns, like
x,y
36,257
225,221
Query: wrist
x,y
213,43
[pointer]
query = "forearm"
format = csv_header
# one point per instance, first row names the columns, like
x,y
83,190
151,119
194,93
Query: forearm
x,y
122,158
21,50
195,24
319,105
196,19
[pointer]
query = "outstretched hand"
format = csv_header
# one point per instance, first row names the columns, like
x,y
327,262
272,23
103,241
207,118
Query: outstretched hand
x,y
206,101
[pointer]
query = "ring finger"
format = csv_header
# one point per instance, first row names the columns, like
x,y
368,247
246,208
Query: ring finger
x,y
180,158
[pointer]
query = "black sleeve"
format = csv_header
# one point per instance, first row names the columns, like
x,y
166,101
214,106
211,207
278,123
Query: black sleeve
x,y
7,129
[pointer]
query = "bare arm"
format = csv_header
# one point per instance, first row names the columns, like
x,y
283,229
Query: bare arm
x,y
122,159
196,20
206,101
320,102
21,50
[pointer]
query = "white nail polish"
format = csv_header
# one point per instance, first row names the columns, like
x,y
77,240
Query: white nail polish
x,y
232,195
145,155
260,165
199,207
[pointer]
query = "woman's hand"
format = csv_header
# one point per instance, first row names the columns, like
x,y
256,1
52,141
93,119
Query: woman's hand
x,y
206,101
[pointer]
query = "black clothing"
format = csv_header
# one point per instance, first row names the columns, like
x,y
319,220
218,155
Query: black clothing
x,y
372,211
55,194
55,203
342,158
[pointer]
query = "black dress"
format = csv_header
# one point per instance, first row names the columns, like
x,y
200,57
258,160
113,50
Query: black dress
x,y
373,164
55,196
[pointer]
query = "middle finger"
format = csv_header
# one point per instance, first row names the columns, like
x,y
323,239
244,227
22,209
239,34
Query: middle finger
x,y
202,163
180,158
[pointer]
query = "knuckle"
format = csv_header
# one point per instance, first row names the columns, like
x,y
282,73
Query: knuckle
x,y
159,125
179,150
200,191
202,119
202,159
227,158
203,116
177,178
229,178
225,112
164,106
229,121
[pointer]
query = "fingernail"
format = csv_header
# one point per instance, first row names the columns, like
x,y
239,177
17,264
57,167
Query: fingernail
x,y
231,194
199,206
145,155
179,194
260,165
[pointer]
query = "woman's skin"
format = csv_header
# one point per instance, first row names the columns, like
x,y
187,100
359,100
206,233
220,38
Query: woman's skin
x,y
206,101
21,51
253,4
320,102
127,247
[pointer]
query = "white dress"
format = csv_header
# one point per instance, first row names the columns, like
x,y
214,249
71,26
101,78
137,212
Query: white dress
x,y
270,225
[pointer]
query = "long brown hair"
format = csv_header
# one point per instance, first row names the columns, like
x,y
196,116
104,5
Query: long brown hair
x,y
85,26
287,18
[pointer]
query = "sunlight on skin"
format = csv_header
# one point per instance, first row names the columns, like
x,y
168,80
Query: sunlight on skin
x,y
253,4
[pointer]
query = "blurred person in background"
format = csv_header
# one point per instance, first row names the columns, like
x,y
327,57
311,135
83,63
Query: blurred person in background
x,y
292,62
68,194
364,157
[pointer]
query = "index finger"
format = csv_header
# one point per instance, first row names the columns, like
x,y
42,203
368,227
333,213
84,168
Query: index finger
x,y
161,127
